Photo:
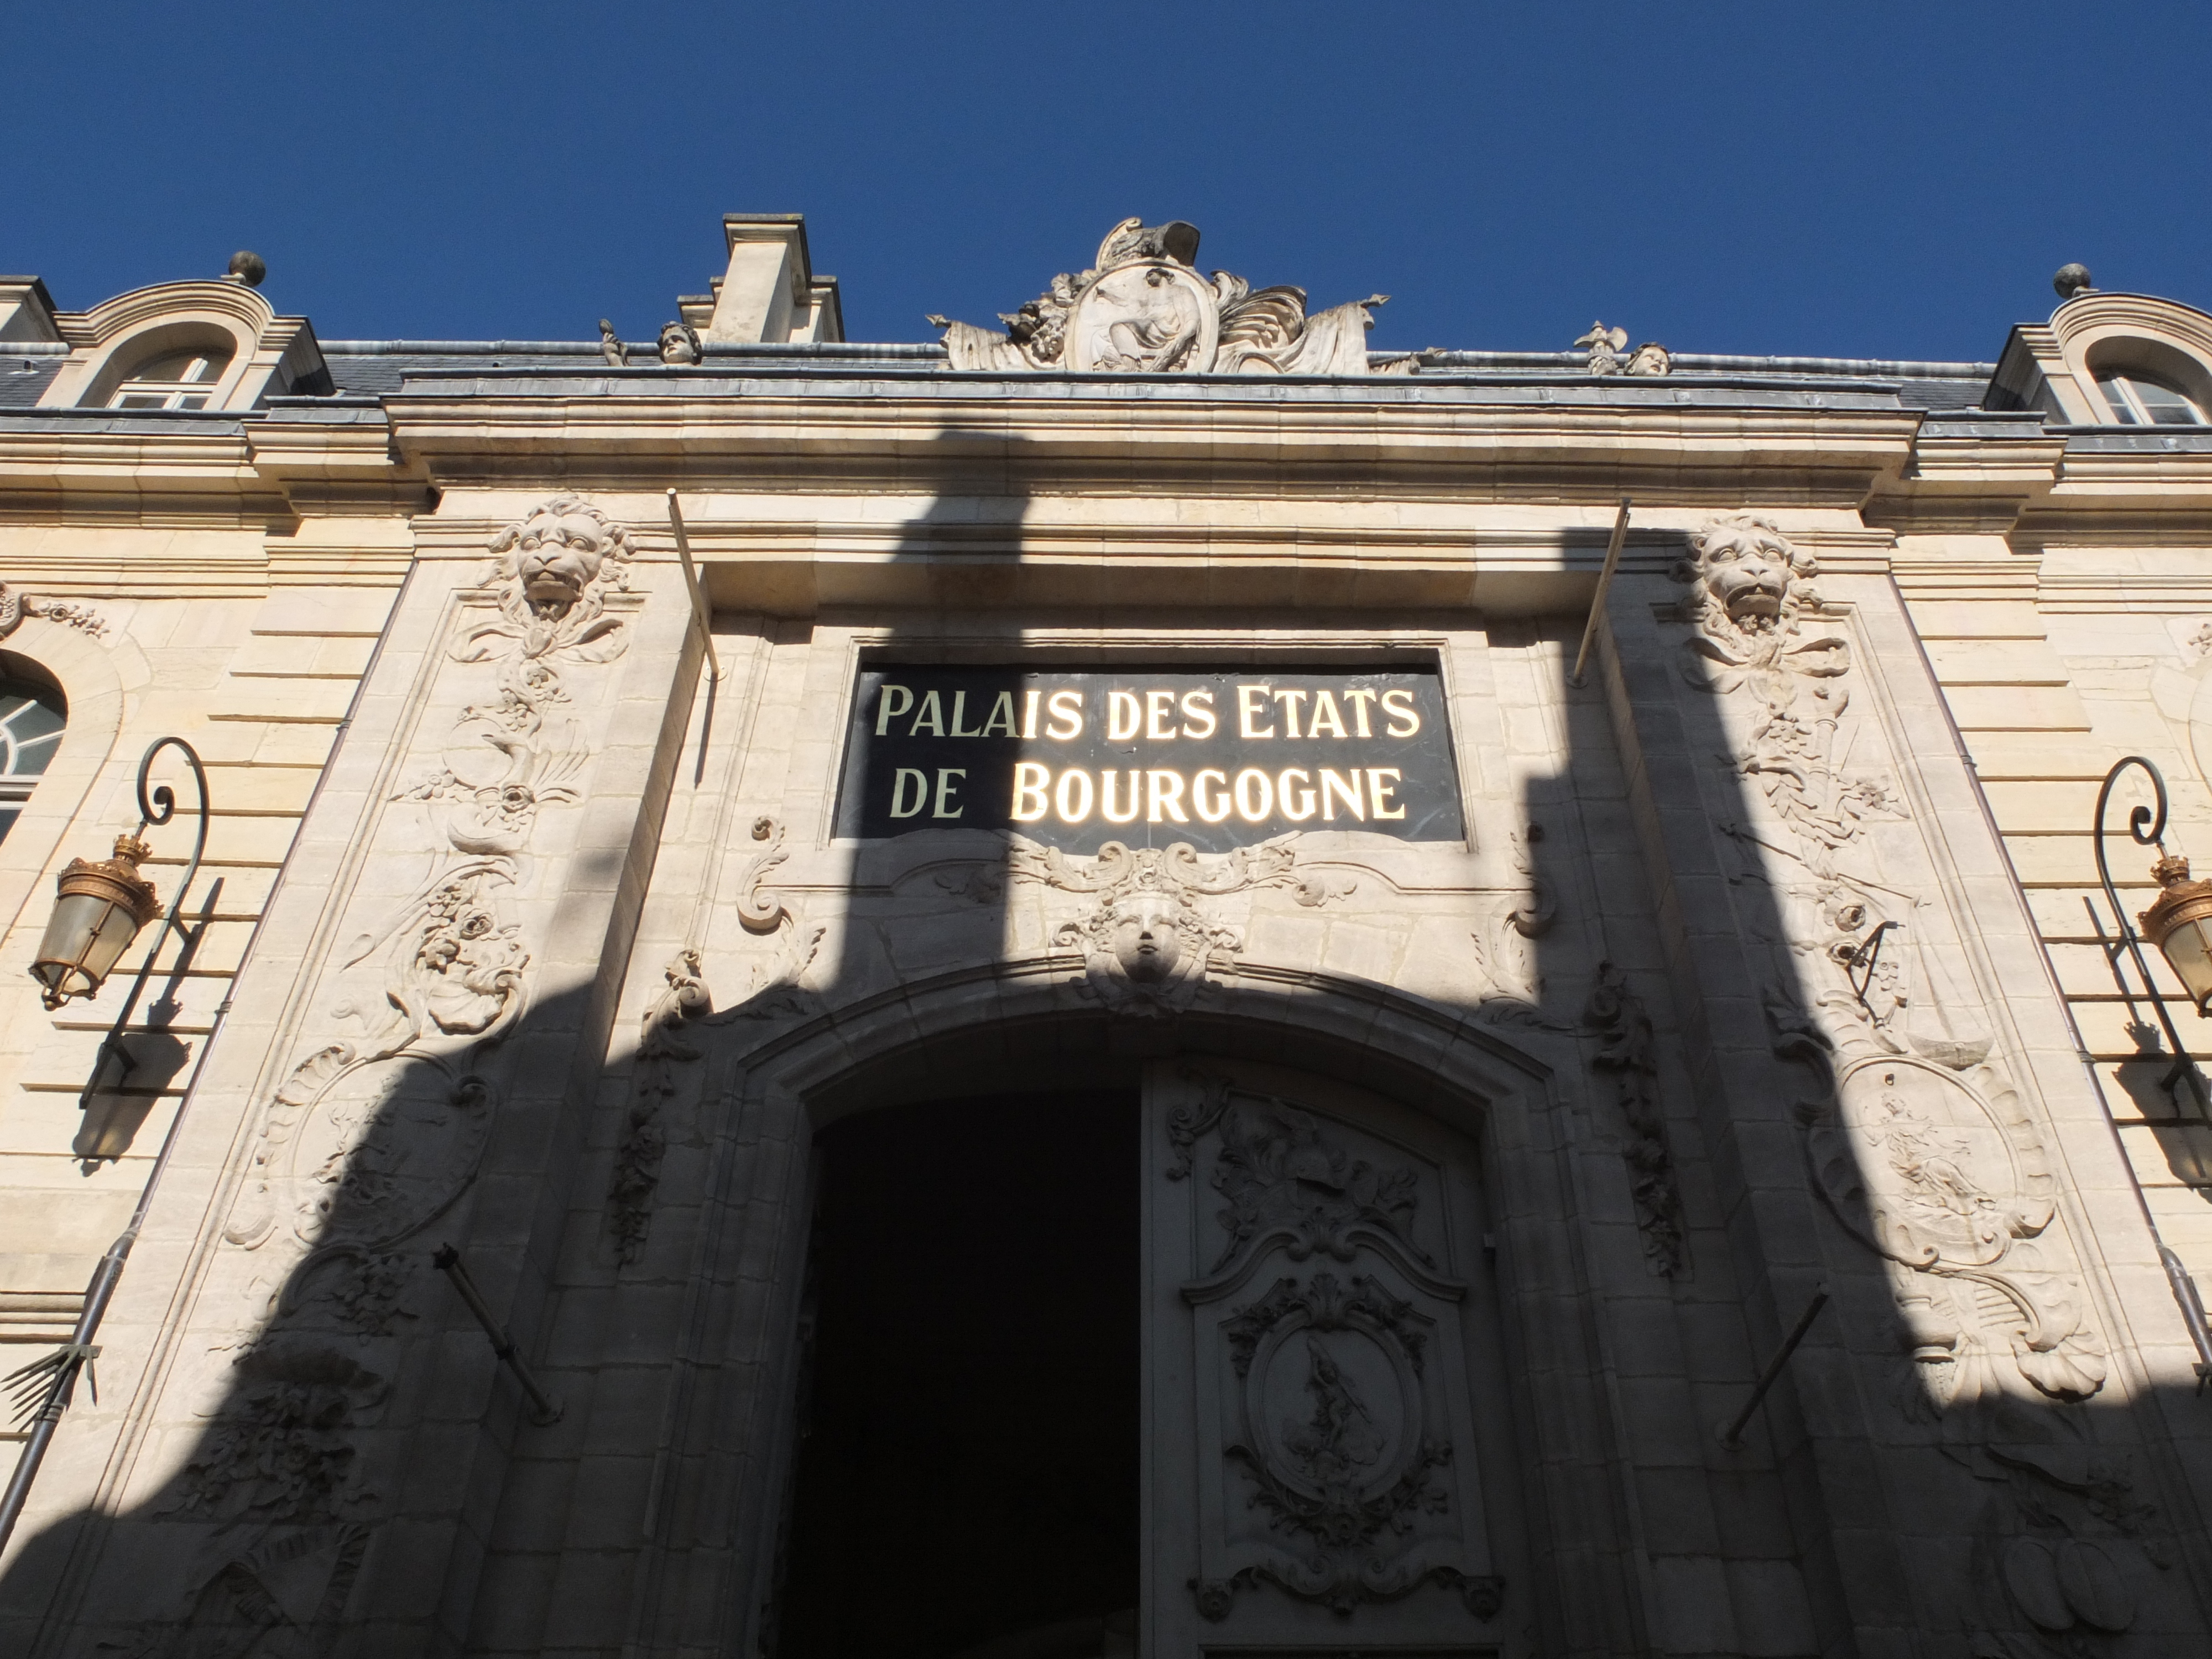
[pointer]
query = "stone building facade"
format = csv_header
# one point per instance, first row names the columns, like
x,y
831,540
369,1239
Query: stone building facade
x,y
1088,1043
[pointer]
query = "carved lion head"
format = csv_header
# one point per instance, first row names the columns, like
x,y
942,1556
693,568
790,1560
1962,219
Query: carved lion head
x,y
558,551
1746,568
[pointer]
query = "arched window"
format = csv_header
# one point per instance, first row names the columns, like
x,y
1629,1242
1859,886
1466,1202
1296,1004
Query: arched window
x,y
2138,400
175,379
31,720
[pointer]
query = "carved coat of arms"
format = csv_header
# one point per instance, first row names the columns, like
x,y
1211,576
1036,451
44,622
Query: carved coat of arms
x,y
1142,307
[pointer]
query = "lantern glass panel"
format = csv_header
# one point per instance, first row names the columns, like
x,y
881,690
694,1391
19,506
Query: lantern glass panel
x,y
85,936
2189,949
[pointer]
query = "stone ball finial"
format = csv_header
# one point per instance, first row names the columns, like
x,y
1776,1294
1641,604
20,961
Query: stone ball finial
x,y
2070,280
248,267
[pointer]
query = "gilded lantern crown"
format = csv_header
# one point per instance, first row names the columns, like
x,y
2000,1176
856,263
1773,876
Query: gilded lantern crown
x,y
2180,923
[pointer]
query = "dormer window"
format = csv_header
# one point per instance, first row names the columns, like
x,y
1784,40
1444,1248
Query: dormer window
x,y
176,380
2138,400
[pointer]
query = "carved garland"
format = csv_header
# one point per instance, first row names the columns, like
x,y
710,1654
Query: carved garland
x,y
1150,938
661,1048
15,605
1923,1151
371,1138
1624,1050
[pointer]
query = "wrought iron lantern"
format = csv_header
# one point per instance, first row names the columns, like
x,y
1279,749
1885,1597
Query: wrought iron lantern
x,y
2180,923
97,911
100,909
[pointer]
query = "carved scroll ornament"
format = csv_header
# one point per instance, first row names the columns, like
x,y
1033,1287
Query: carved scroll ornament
x,y
371,1138
1144,308
1340,1387
1923,1152
15,605
1150,937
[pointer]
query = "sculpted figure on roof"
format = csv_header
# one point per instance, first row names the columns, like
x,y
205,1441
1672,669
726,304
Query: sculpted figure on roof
x,y
1143,308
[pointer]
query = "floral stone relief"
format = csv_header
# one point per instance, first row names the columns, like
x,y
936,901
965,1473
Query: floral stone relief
x,y
1920,1144
371,1137
1150,934
1142,307
1339,1417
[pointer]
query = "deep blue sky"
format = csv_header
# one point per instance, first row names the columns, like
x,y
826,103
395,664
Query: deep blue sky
x,y
1859,180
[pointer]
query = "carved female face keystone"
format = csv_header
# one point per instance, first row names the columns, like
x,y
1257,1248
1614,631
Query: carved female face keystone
x,y
1146,940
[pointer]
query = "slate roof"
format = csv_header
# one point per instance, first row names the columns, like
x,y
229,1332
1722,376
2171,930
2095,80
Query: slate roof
x,y
24,377
376,369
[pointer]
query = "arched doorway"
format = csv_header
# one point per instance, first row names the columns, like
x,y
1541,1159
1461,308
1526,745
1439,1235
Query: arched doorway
x,y
1214,1362
967,1474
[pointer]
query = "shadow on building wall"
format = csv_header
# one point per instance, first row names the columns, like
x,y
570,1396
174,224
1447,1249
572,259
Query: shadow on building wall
x,y
1759,1098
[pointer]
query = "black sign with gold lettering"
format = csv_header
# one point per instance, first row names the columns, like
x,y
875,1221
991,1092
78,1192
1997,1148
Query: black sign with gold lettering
x,y
1148,758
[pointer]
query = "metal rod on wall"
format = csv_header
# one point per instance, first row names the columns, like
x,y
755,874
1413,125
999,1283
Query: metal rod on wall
x,y
447,1261
1604,581
700,609
1732,1436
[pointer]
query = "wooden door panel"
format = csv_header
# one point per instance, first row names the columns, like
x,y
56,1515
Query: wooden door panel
x,y
1318,1347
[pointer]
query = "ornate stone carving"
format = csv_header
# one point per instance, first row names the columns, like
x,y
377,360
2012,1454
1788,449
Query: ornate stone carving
x,y
777,989
554,572
1342,1416
661,1048
281,1450
1624,1050
679,345
455,968
1502,949
15,605
611,346
1604,346
1947,1177
1923,1151
1749,603
1143,308
2057,1536
1286,1180
1326,1305
453,963
1338,1435
372,1149
760,909
1150,940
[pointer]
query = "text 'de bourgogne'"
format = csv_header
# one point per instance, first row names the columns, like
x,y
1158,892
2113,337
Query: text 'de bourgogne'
x,y
1077,759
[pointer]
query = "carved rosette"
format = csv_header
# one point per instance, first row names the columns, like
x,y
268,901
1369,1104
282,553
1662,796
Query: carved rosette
x,y
15,605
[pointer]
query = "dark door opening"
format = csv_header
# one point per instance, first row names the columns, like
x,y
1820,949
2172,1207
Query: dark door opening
x,y
967,1477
